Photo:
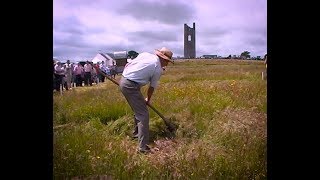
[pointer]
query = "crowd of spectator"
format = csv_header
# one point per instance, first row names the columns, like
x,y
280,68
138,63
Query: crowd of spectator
x,y
68,75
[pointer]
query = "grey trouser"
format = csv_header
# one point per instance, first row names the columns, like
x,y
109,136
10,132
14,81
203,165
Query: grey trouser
x,y
132,93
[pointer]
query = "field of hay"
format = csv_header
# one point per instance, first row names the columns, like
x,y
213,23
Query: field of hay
x,y
220,107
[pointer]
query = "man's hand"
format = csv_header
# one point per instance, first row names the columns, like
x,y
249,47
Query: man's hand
x,y
147,100
149,94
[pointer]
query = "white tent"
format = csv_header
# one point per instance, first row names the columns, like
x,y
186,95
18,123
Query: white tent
x,y
104,57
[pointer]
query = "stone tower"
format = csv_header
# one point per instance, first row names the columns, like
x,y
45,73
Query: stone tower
x,y
189,41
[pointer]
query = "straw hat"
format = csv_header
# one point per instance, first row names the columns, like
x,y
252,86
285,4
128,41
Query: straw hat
x,y
165,53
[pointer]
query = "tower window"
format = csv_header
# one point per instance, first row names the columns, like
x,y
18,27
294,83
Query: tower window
x,y
189,37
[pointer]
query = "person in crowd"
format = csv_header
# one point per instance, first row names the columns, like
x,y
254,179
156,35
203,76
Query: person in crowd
x,y
104,69
68,74
78,71
59,74
97,71
87,74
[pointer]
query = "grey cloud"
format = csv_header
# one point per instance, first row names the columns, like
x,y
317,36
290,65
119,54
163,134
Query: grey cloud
x,y
70,25
83,3
177,51
170,12
76,53
106,5
214,30
257,41
255,36
74,46
70,38
71,41
71,53
113,48
152,36
212,35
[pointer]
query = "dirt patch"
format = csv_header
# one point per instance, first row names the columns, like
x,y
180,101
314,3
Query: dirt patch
x,y
239,120
163,151
93,177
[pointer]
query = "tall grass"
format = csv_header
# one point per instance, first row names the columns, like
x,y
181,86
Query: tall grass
x,y
219,105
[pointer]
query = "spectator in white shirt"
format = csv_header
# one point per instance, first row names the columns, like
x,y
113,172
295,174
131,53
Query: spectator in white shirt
x,y
59,74
68,74
87,74
78,71
104,69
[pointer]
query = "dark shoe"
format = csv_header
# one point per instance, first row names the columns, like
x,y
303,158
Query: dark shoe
x,y
134,136
144,151
135,133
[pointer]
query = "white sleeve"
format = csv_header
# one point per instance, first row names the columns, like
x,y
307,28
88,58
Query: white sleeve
x,y
154,79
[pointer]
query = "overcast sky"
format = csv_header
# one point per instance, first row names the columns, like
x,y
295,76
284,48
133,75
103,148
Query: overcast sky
x,y
82,28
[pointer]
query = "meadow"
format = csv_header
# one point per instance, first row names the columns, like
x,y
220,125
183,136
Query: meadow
x,y
219,106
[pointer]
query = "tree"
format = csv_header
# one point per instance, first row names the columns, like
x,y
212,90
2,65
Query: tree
x,y
245,54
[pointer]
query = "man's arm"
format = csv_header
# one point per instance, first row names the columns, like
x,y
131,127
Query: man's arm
x,y
149,94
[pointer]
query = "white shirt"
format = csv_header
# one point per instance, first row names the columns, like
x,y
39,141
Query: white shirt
x,y
69,69
59,69
143,69
103,67
87,68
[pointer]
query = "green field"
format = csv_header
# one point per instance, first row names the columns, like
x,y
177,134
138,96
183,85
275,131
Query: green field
x,y
220,107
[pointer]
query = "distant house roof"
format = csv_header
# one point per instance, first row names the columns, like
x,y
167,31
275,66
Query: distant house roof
x,y
107,56
111,55
120,55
